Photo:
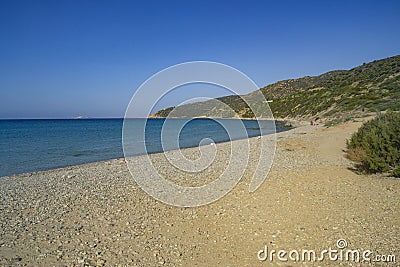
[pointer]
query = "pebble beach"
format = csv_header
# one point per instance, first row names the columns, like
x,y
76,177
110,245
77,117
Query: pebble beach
x,y
96,215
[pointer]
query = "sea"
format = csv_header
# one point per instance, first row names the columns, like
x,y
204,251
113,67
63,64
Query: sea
x,y
43,144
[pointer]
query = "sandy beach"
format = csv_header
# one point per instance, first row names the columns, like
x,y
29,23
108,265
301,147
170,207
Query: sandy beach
x,y
96,215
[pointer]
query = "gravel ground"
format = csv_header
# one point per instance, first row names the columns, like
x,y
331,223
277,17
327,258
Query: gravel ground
x,y
96,215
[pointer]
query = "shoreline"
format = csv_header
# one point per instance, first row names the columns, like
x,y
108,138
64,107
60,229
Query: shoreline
x,y
95,214
284,128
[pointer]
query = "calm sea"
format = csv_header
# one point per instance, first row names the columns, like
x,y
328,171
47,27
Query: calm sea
x,y
34,145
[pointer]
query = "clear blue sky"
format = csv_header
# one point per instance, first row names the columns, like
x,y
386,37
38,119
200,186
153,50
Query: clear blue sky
x,y
60,59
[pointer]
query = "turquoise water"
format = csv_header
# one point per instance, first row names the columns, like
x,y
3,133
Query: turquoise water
x,y
34,145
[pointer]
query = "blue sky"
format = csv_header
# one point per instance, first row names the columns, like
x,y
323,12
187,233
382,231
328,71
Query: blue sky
x,y
60,59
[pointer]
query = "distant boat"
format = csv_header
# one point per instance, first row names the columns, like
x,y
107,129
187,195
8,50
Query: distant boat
x,y
80,117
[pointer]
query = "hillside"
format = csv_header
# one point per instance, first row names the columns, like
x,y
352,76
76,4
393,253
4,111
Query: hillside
x,y
335,95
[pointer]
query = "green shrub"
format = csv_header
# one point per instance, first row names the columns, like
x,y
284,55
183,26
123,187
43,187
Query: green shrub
x,y
396,172
376,145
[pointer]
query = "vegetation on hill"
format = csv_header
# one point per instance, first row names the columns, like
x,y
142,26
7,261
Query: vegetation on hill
x,y
164,112
336,95
370,87
376,145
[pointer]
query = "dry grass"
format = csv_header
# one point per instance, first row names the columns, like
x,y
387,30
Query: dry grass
x,y
356,154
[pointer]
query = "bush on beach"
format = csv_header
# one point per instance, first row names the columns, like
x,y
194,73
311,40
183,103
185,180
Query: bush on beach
x,y
376,145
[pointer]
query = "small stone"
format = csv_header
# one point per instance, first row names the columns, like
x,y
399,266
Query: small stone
x,y
100,262
161,261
